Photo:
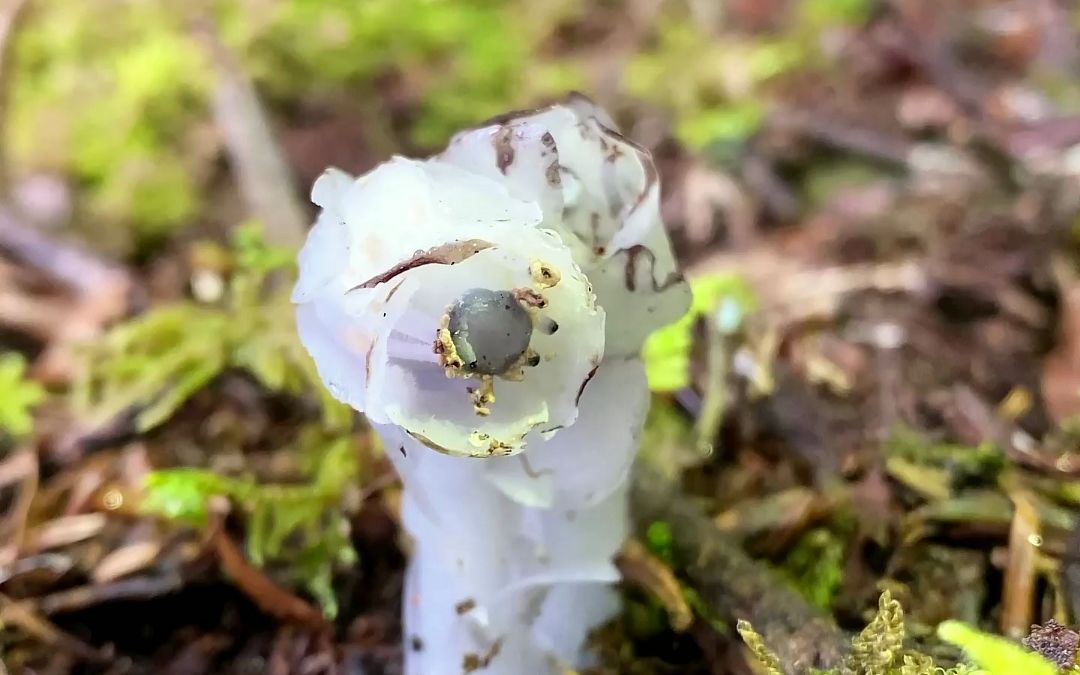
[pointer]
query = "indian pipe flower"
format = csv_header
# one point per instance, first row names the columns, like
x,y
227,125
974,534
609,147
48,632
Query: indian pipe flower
x,y
485,309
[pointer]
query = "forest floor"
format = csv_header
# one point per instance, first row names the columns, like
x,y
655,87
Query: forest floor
x,y
895,405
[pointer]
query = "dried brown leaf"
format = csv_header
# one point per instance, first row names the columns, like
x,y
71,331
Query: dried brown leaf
x,y
126,560
263,591
643,569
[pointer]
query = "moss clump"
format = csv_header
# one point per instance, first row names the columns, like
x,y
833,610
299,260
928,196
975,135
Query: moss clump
x,y
879,650
298,526
815,566
153,364
769,661
112,103
116,95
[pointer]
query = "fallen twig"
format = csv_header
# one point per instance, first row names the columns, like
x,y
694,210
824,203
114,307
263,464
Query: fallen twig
x,y
261,589
733,585
254,154
1018,607
23,616
139,588
823,127
102,293
82,271
21,468
64,531
646,571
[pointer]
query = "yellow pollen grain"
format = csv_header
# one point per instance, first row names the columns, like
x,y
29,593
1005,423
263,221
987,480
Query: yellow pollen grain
x,y
544,274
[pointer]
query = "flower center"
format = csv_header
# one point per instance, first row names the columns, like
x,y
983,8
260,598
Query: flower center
x,y
490,331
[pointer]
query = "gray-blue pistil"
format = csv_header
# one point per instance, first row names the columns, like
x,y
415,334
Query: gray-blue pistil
x,y
490,330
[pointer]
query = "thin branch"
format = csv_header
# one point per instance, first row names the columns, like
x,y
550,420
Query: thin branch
x,y
20,468
82,271
23,615
102,294
81,597
822,127
260,167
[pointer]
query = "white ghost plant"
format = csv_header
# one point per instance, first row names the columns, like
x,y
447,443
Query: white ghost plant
x,y
485,309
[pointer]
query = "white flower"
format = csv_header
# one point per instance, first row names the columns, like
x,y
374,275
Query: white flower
x,y
491,303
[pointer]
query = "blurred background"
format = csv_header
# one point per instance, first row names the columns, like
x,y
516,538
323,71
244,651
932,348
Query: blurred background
x,y
878,387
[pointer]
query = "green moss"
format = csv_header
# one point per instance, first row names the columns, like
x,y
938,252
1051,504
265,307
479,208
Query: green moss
x,y
726,123
946,463
768,660
815,566
110,102
878,647
466,60
154,363
820,13
297,526
122,105
696,76
712,84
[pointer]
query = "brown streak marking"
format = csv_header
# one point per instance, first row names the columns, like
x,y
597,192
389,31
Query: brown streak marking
x,y
465,606
425,441
651,174
585,383
529,471
632,254
504,148
473,662
514,115
554,178
445,254
367,361
392,291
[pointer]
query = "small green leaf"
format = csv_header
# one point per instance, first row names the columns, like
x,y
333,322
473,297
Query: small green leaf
x,y
183,494
667,351
993,653
733,122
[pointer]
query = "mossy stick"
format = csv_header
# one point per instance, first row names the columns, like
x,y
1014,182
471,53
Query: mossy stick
x,y
733,585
